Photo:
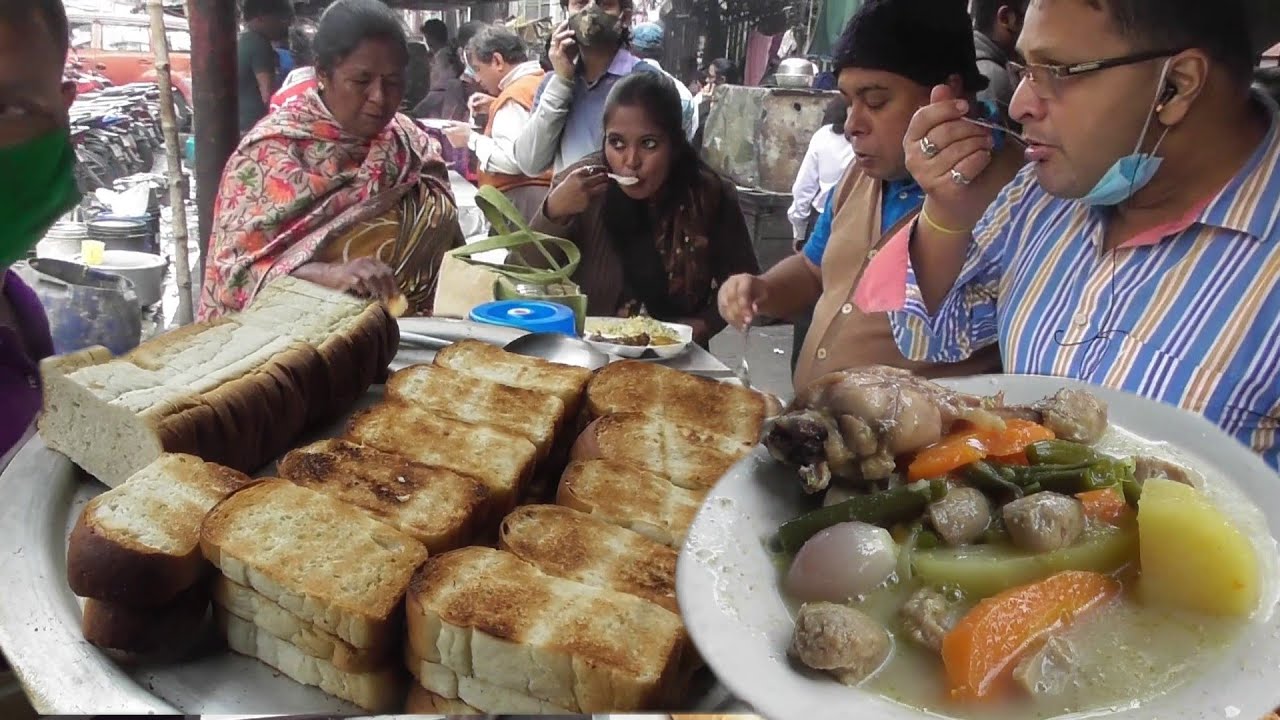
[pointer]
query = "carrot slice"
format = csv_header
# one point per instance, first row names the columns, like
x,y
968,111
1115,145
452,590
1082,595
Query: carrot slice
x,y
1107,506
1015,459
985,644
1015,437
950,453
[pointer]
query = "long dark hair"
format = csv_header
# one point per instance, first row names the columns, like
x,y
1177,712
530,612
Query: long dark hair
x,y
656,94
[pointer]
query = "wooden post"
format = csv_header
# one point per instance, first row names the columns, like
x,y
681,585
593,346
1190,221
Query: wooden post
x,y
173,154
214,32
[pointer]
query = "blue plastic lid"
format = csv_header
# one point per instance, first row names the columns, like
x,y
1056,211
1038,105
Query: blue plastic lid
x,y
530,315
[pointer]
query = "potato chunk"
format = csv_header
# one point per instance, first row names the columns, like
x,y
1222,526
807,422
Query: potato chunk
x,y
1192,556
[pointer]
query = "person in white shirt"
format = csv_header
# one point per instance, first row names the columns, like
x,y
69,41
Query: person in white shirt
x,y
647,44
829,154
502,65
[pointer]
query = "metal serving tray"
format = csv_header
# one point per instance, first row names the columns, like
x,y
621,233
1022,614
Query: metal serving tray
x,y
42,494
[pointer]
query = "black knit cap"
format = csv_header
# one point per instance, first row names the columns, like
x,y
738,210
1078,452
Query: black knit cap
x,y
926,41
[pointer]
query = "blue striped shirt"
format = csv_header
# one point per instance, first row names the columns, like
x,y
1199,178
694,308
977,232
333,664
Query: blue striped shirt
x,y
1188,314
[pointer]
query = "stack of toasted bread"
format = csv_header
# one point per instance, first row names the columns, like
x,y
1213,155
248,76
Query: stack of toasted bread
x,y
405,542
134,555
313,587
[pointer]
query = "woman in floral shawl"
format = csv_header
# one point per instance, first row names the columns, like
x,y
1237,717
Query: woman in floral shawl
x,y
335,187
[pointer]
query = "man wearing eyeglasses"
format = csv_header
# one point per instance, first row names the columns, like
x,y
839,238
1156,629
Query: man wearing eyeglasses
x,y
1140,247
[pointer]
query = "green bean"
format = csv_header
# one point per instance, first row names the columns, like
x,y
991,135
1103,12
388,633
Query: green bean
x,y
983,476
927,540
1132,491
1061,452
881,508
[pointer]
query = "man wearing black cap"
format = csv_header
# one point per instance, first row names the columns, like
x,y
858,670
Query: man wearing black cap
x,y
1140,248
889,56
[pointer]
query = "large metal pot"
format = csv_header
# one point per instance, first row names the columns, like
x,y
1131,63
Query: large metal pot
x,y
795,73
86,307
145,270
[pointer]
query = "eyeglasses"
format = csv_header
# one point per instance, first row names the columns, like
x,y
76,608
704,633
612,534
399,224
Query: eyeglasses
x,y
1046,80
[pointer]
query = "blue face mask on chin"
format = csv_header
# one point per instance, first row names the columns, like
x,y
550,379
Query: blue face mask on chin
x,y
1132,172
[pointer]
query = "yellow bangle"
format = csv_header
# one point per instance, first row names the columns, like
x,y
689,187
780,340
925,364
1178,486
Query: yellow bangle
x,y
924,215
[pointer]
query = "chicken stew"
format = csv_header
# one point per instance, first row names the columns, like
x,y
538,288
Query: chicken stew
x,y
983,560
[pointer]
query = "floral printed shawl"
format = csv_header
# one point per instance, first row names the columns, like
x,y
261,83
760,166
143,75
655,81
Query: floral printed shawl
x,y
297,181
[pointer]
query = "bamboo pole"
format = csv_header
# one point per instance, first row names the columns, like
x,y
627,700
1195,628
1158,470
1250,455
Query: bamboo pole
x,y
173,154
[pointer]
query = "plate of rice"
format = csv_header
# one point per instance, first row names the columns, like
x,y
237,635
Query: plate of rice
x,y
638,338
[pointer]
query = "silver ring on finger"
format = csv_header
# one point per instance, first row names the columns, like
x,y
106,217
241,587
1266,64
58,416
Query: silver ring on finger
x,y
928,147
958,177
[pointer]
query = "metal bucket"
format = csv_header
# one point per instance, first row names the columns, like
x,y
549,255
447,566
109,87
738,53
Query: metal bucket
x,y
86,307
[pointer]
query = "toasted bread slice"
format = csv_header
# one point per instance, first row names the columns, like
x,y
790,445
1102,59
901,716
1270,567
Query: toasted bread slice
x,y
271,618
502,461
689,457
493,363
575,546
139,544
424,702
131,634
632,498
530,414
440,682
488,615
378,691
317,557
442,509
696,402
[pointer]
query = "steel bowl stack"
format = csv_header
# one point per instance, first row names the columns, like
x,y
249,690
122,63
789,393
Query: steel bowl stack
x,y
119,233
63,240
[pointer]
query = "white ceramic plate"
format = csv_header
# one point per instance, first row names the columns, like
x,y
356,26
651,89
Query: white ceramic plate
x,y
651,352
727,586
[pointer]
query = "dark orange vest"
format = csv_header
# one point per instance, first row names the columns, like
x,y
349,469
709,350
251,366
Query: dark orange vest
x,y
521,92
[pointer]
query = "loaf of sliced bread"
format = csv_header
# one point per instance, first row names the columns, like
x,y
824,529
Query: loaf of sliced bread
x,y
237,391
487,615
269,617
139,544
575,546
632,498
504,462
438,681
317,557
687,456
378,691
486,361
533,415
441,508
696,402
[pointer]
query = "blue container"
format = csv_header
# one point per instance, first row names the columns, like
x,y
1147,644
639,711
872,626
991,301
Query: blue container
x,y
531,315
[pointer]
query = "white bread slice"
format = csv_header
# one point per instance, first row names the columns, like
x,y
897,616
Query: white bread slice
x,y
502,461
424,702
269,617
486,361
440,508
575,546
696,402
631,498
488,615
441,682
530,414
237,391
317,557
689,457
376,691
139,544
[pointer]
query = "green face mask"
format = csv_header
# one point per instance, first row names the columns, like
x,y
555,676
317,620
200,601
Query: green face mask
x,y
37,187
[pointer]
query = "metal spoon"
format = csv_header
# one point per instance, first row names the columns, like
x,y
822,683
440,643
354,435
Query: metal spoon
x,y
743,373
624,179
548,346
1000,128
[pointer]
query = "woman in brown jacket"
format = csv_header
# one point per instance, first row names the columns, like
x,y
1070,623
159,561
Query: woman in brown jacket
x,y
658,229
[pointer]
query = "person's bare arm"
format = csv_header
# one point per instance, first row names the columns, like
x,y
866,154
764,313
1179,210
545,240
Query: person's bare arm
x,y
266,85
792,286
958,191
